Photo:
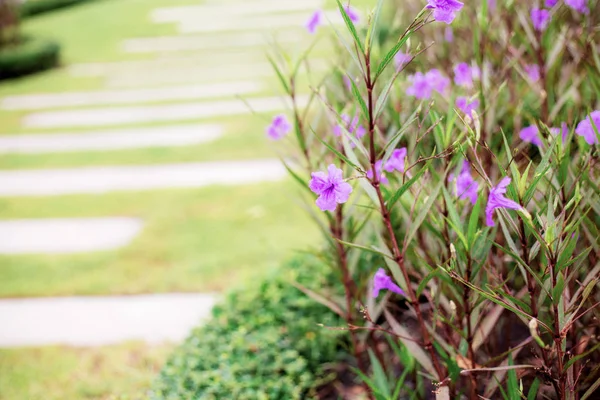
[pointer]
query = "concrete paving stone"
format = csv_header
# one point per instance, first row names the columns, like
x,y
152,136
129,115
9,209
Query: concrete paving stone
x,y
155,113
98,321
50,182
131,96
246,23
135,138
221,9
167,44
64,236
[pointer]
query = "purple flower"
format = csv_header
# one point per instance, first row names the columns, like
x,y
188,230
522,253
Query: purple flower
x,y
466,107
533,72
466,187
586,129
531,134
463,75
382,281
396,161
540,19
437,81
444,10
314,22
381,177
401,58
351,126
279,127
496,199
420,88
551,3
563,129
577,5
352,14
449,34
331,188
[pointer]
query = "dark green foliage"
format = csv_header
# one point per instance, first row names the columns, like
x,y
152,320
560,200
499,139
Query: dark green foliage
x,y
28,57
263,342
31,8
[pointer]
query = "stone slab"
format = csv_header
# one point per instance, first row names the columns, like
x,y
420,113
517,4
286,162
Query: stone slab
x,y
135,138
156,113
49,182
222,9
99,321
64,236
131,96
167,44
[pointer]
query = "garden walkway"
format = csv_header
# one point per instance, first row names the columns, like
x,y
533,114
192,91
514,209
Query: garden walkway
x,y
214,83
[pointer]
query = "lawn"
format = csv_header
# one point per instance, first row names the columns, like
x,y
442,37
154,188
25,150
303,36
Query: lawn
x,y
65,373
193,240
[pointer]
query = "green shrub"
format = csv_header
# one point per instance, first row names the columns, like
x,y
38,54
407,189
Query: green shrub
x,y
262,343
31,8
30,56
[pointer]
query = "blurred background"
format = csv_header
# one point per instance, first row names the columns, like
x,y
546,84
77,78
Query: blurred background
x,y
136,185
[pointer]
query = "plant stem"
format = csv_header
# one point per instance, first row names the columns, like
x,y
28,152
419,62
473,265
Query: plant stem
x,y
385,212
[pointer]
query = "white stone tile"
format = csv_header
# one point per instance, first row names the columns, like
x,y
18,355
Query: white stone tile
x,y
97,321
49,182
61,236
245,23
131,96
162,136
156,113
167,44
223,10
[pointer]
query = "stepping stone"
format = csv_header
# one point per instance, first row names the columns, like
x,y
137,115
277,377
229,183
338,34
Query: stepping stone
x,y
207,42
98,321
209,61
132,96
162,136
175,14
156,113
49,182
264,22
64,236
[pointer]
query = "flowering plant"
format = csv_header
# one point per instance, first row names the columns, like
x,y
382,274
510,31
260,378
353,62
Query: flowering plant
x,y
480,217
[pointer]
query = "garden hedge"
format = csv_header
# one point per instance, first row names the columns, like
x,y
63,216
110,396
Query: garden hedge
x,y
263,342
35,7
32,55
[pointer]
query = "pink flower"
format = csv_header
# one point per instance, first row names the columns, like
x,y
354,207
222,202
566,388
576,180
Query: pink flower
x,y
444,10
314,22
279,127
352,14
421,89
380,175
463,75
466,186
331,188
533,72
400,59
496,199
563,129
396,160
382,281
551,3
437,81
578,5
463,105
586,129
531,134
540,19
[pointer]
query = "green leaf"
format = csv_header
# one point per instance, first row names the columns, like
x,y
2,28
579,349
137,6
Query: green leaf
x,y
379,375
360,100
350,26
533,390
473,222
338,154
282,80
423,213
390,55
392,200
365,248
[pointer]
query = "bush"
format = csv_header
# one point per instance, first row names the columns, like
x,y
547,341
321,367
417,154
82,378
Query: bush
x,y
29,57
262,343
31,8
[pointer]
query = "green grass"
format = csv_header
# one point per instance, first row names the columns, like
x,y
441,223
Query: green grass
x,y
193,240
65,373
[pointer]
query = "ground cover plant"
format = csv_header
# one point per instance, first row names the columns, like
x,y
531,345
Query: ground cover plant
x,y
457,143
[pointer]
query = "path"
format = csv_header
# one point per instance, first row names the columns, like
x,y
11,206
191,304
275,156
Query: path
x,y
97,321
